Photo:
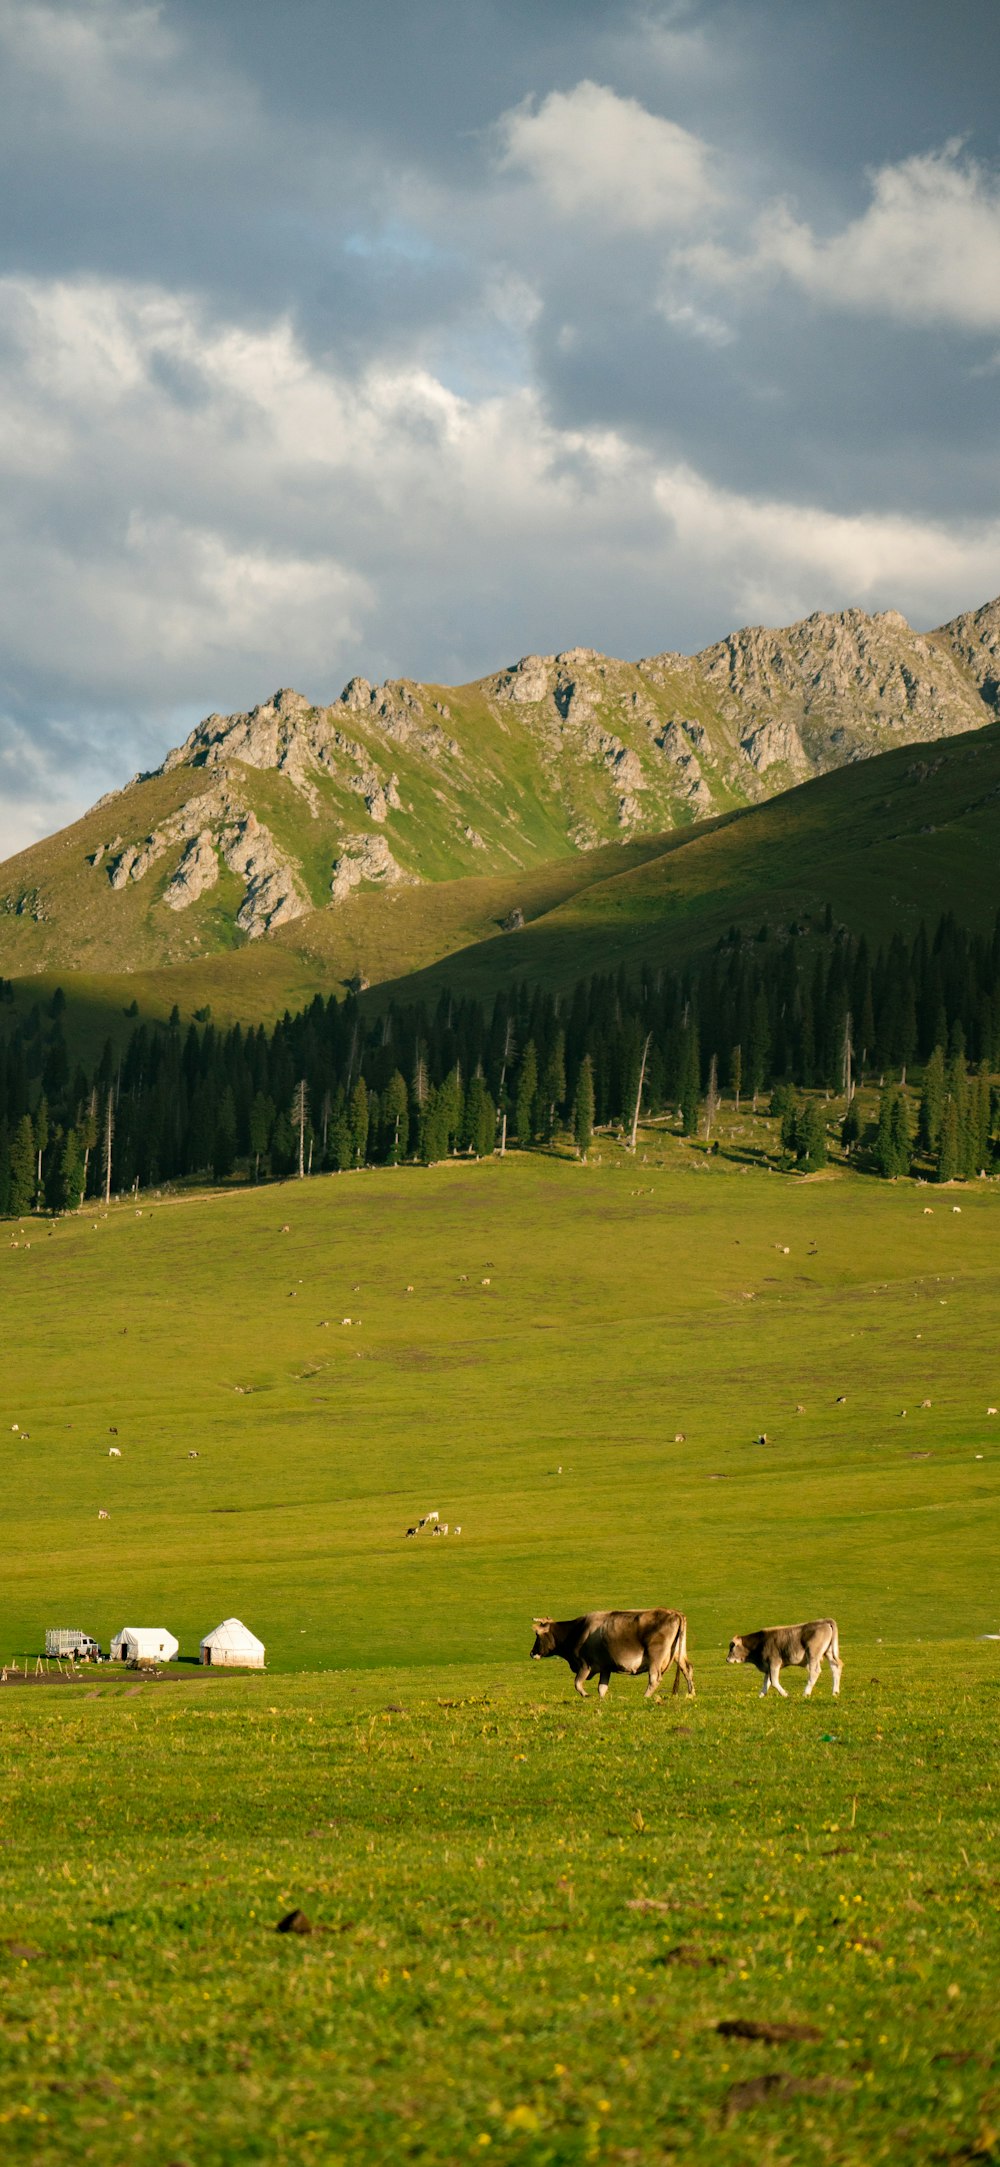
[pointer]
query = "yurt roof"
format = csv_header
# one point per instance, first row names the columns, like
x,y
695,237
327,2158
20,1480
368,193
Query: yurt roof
x,y
232,1633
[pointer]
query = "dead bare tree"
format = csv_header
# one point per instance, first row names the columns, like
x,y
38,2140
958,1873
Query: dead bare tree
x,y
108,1142
847,1059
638,1095
711,1097
300,1115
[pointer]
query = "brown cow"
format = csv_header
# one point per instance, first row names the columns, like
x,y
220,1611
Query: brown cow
x,y
796,1644
632,1641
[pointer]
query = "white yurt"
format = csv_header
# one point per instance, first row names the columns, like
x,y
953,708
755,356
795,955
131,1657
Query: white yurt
x,y
234,1645
143,1644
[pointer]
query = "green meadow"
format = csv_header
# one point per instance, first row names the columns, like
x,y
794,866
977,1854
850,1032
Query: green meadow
x,y
530,1914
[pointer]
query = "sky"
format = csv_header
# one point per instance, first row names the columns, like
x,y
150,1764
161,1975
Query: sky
x,y
412,337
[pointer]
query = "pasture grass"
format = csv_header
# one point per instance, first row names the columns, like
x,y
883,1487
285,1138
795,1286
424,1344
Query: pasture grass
x,y
468,1835
530,1916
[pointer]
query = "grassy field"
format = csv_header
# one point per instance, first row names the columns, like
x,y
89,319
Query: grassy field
x,y
531,1914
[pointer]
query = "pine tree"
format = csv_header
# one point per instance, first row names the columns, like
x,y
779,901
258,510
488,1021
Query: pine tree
x,y
690,1080
850,1128
224,1148
261,1118
41,1143
479,1126
525,1093
932,1101
553,1085
583,1107
395,1109
900,1132
736,1074
72,1173
810,1138
22,1167
359,1121
947,1159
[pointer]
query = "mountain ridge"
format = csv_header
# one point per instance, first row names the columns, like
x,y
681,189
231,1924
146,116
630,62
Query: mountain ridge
x,y
275,814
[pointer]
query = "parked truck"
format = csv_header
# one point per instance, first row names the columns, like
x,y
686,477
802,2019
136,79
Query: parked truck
x,y
63,1640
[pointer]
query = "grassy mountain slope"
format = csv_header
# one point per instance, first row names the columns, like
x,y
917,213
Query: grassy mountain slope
x,y
887,843
277,829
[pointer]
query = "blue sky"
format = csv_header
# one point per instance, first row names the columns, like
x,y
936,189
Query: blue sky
x,y
412,337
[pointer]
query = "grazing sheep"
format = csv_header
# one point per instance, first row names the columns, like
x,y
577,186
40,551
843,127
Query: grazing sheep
x,y
457,1530
925,1403
284,1229
991,1410
958,1208
411,1531
762,1439
842,1400
799,1409
113,1452
345,1320
409,1290
194,1455
928,1211
112,1429
484,1282
680,1439
102,1515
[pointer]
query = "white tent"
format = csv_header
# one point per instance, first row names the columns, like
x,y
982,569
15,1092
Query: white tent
x,y
233,1644
143,1644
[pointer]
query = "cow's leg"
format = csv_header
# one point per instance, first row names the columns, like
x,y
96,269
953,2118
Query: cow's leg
x,y
603,1683
655,1674
836,1668
773,1678
815,1666
580,1681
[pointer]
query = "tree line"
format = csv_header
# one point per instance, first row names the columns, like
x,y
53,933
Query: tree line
x,y
351,1082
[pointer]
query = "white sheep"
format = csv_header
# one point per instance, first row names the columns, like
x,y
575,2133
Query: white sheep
x,y
102,1515
113,1452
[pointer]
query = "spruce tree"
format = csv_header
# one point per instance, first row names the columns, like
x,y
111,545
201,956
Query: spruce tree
x,y
359,1121
71,1173
810,1138
932,1101
947,1158
22,1167
395,1113
261,1118
850,1128
583,1107
525,1093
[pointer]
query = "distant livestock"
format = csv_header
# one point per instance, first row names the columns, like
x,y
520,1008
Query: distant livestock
x,y
628,1641
113,1452
775,1645
102,1515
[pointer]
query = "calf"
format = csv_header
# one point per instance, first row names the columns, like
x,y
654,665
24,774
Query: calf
x,y
775,1645
632,1641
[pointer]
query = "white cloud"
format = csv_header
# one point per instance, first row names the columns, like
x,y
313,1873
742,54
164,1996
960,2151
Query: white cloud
x,y
601,157
926,250
194,512
785,559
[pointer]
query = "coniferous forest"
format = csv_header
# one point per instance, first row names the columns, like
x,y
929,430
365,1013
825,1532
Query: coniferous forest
x,y
781,1018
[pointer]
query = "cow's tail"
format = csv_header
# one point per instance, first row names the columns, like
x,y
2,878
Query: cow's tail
x,y
680,1654
834,1647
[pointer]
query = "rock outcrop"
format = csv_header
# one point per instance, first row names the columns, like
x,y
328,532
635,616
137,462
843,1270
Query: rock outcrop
x,y
368,860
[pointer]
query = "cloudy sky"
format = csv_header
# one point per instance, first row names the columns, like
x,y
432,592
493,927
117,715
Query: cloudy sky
x,y
410,336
